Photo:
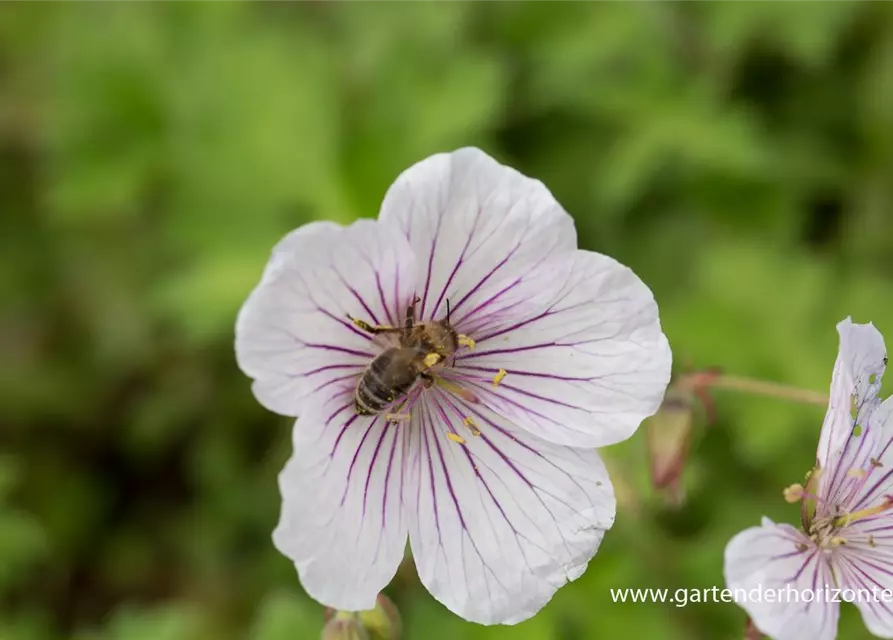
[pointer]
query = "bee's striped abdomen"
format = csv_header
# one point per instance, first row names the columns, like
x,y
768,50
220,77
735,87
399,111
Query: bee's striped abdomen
x,y
383,382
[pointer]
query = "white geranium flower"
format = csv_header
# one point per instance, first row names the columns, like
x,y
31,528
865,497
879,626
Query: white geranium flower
x,y
525,354
845,550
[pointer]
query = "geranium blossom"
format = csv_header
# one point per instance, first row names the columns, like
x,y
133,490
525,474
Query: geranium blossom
x,y
488,464
845,549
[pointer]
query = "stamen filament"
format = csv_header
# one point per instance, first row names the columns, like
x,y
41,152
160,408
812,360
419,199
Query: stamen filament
x,y
844,520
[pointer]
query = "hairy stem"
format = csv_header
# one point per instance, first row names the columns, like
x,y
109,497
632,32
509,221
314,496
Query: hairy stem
x,y
713,380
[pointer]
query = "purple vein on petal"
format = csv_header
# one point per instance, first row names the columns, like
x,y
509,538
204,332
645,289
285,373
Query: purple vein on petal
x,y
803,566
384,433
517,471
846,446
374,269
372,317
449,483
430,268
344,429
398,437
424,433
381,297
458,265
851,556
508,461
867,496
333,381
835,487
508,350
481,283
532,374
356,456
489,301
330,347
487,391
516,326
330,367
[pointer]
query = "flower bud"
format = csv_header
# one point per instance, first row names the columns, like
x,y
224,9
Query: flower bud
x,y
669,433
382,622
344,626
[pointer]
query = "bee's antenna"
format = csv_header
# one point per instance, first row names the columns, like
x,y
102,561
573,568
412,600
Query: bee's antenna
x,y
448,310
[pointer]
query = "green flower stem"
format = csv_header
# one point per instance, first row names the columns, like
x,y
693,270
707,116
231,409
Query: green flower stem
x,y
761,388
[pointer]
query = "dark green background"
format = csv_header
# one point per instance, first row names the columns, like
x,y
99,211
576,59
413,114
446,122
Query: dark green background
x,y
739,156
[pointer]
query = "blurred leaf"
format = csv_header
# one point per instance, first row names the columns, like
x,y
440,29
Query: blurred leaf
x,y
282,616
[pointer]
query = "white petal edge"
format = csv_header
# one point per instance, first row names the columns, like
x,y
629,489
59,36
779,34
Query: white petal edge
x,y
585,367
472,222
293,336
500,522
856,379
768,558
342,521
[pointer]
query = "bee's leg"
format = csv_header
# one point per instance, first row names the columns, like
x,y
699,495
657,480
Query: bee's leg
x,y
373,329
410,317
427,380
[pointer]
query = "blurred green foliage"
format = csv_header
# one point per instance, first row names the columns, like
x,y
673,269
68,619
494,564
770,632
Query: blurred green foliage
x,y
739,156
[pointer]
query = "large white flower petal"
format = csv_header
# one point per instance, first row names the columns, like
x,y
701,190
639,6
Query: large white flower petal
x,y
855,383
293,335
476,222
865,566
342,521
499,522
771,558
585,368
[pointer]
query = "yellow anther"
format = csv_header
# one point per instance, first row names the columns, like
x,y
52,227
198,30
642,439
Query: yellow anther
x,y
465,341
794,493
397,417
871,542
432,359
468,422
856,473
498,377
455,437
876,463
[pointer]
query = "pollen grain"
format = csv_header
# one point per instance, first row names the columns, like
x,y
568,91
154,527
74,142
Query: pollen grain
x,y
465,341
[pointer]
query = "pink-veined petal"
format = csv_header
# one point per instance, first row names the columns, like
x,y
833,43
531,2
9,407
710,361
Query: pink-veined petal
x,y
293,336
473,223
865,567
585,367
864,477
342,521
774,557
846,441
502,520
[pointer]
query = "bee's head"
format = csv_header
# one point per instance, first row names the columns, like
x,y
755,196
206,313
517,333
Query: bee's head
x,y
440,338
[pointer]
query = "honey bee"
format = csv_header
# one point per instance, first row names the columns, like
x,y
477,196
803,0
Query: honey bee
x,y
420,347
